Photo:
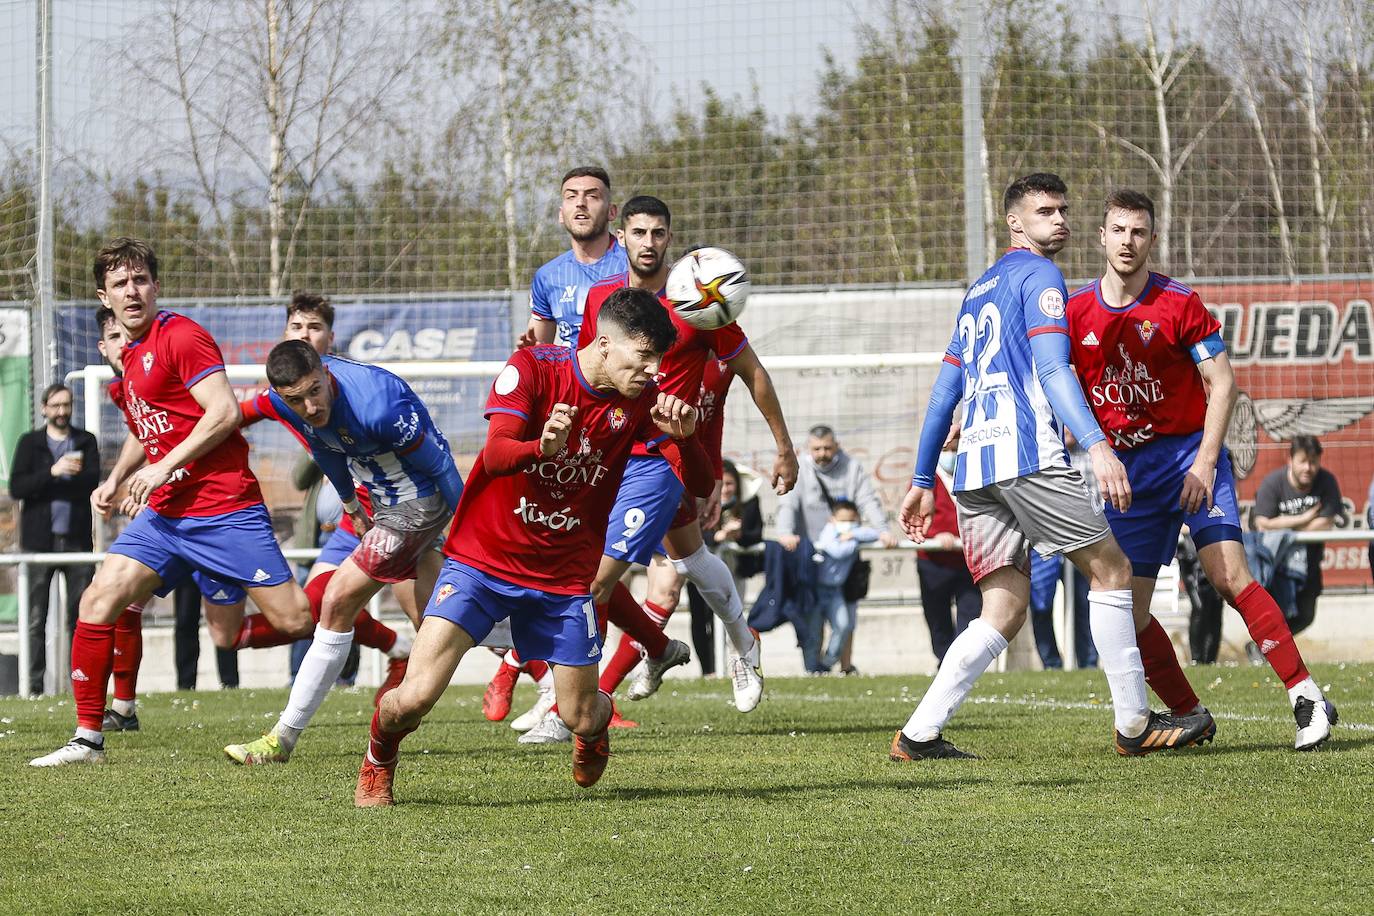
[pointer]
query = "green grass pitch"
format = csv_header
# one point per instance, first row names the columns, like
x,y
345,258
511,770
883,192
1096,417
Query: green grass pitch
x,y
794,808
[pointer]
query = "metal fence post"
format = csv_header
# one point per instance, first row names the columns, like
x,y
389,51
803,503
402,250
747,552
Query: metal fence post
x,y
21,586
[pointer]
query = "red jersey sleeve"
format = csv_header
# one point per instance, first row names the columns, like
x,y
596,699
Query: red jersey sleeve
x,y
505,451
192,351
727,342
516,388
258,407
1195,322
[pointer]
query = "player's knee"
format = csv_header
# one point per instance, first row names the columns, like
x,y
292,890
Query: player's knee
x,y
99,605
222,638
1230,582
409,703
667,599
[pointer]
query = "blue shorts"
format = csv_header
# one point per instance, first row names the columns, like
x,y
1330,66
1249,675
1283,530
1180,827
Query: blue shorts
x,y
1148,532
237,547
217,592
644,509
560,629
338,547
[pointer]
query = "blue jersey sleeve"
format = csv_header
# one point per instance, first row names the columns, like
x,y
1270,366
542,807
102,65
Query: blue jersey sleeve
x,y
1044,299
945,395
1060,383
539,297
405,428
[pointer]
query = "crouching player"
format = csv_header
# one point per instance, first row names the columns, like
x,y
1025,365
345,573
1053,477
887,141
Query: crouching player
x,y
527,538
1144,347
358,421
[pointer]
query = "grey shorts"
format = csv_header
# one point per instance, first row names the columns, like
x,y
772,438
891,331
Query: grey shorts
x,y
1051,510
400,535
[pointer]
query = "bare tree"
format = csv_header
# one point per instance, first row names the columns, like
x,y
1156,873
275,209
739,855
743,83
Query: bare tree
x,y
269,96
1162,65
542,80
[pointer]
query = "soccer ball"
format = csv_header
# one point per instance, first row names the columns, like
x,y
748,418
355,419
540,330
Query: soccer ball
x,y
708,288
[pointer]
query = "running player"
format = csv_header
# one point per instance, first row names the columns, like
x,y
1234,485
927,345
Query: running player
x,y
647,512
1151,358
558,294
204,509
358,421
527,536
1008,361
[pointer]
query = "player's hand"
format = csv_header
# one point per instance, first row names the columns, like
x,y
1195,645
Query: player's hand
x,y
674,416
710,508
361,523
147,479
557,428
784,472
1197,487
1111,477
918,508
102,498
789,542
526,339
130,507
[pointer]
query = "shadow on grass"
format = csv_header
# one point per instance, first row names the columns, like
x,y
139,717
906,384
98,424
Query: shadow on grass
x,y
934,783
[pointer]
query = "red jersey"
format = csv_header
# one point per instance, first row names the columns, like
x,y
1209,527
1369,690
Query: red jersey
x,y
160,368
1138,364
260,407
684,364
715,387
544,527
115,389
944,521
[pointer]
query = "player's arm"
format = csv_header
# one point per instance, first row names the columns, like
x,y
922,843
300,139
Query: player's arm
x,y
129,459
428,457
506,451
683,449
1220,381
1050,350
539,331
746,365
221,417
918,506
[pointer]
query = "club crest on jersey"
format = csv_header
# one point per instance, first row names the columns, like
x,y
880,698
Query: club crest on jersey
x,y
617,419
1146,329
147,362
442,594
345,438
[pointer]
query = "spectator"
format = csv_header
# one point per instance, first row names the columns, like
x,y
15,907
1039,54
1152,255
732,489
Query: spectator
x,y
739,529
54,471
837,551
828,474
945,580
1301,497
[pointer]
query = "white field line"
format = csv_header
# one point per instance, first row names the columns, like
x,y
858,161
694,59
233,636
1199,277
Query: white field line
x,y
1031,702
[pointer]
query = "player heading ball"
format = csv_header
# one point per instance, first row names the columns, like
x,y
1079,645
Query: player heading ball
x,y
527,537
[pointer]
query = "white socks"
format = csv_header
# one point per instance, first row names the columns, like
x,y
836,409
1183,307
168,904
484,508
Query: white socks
x,y
1305,688
1113,630
123,707
319,670
712,578
968,657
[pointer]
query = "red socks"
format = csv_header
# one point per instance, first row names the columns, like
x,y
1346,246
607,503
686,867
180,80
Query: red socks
x,y
257,632
128,652
626,613
1271,633
536,669
1162,670
314,590
384,746
627,654
92,660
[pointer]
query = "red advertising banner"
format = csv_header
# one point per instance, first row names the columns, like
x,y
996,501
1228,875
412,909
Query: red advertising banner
x,y
1304,359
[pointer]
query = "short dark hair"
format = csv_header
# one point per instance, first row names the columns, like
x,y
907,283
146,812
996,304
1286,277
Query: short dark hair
x,y
821,431
839,504
54,388
290,361
1035,183
103,316
311,304
123,252
587,171
728,467
644,205
1128,199
1308,445
639,314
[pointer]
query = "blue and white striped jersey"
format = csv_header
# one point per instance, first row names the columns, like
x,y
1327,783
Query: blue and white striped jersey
x,y
380,433
559,290
1009,428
